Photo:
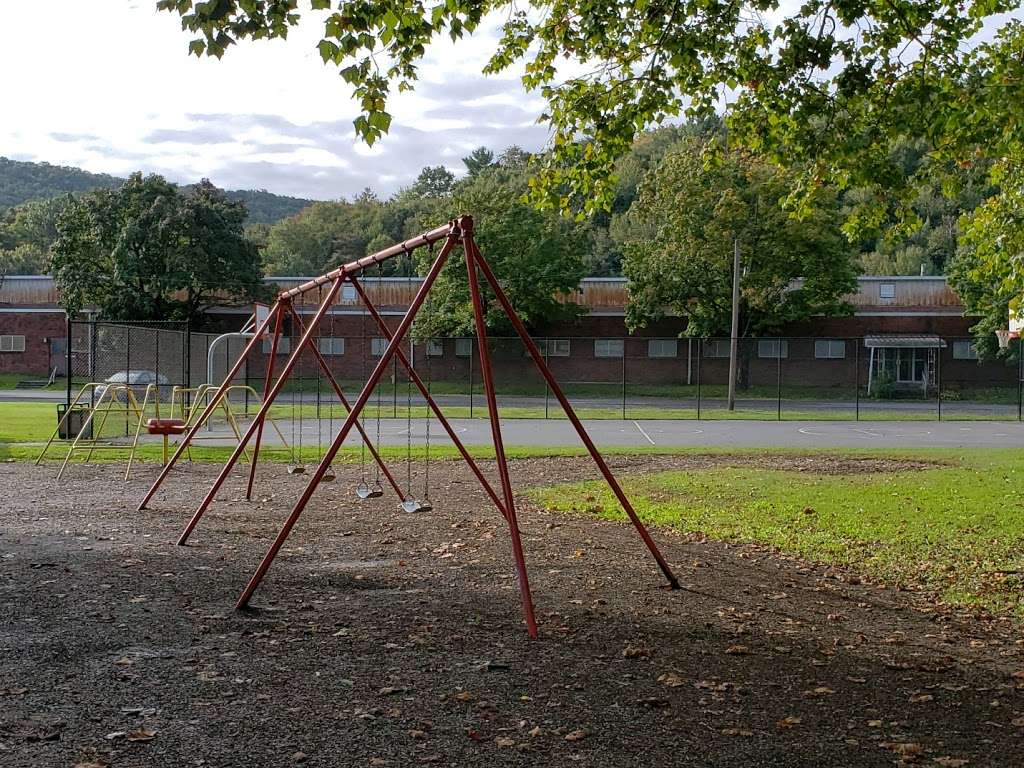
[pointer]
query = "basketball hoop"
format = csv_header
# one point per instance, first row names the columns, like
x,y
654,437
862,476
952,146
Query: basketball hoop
x,y
1003,334
261,313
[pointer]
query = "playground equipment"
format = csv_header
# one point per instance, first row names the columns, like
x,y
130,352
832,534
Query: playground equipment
x,y
100,399
458,232
111,398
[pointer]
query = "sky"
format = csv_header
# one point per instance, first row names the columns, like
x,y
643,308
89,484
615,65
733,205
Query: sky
x,y
107,85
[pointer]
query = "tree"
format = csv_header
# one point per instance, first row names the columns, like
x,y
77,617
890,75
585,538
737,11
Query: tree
x,y
535,254
515,159
831,84
146,251
478,160
988,269
325,235
679,253
26,234
433,181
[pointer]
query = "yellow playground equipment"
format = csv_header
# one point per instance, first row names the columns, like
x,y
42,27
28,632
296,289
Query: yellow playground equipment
x,y
100,400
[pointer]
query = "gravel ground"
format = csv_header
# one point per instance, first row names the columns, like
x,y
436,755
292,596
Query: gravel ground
x,y
386,639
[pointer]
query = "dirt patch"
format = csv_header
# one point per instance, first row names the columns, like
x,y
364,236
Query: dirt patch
x,y
381,638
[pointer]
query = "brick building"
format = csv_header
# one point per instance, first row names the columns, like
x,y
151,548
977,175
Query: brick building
x,y
909,331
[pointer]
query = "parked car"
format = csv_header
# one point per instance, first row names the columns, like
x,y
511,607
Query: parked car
x,y
138,381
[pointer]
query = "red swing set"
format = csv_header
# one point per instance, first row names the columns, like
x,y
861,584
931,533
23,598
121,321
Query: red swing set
x,y
455,233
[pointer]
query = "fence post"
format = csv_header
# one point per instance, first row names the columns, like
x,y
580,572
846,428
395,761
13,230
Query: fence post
x,y
1020,379
471,348
856,378
778,381
547,388
700,356
188,353
68,372
128,372
938,381
624,378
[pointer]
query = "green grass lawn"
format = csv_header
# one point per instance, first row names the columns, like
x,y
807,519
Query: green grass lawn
x,y
956,530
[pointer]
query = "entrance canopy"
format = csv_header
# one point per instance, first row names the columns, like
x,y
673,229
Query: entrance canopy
x,y
904,342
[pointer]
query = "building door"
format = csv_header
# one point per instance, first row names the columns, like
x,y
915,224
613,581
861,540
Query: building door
x,y
58,356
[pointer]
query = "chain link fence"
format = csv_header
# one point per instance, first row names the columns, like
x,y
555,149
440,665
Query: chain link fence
x,y
871,378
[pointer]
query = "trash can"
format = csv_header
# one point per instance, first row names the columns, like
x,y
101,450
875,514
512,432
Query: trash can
x,y
70,428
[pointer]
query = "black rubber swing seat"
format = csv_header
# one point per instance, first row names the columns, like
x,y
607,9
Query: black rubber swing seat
x,y
295,469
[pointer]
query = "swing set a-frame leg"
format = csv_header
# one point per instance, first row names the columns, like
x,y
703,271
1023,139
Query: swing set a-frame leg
x,y
267,379
542,366
499,445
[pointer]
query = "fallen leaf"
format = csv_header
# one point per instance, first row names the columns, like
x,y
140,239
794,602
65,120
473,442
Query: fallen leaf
x,y
416,734
671,679
535,731
504,741
821,690
143,734
950,762
907,750
788,722
1018,721
300,757
737,650
920,698
630,652
464,696
874,723
575,735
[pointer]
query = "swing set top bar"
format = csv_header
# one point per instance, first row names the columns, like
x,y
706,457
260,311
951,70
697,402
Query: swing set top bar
x,y
455,226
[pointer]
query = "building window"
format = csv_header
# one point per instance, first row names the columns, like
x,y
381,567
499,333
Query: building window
x,y
348,292
716,348
330,345
284,345
12,343
830,349
435,348
773,348
377,346
608,347
964,350
887,291
464,347
556,347
662,348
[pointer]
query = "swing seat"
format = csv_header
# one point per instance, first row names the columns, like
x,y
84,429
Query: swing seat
x,y
410,506
424,506
363,491
296,469
165,427
329,477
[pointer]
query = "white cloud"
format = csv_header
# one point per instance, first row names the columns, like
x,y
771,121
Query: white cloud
x,y
109,87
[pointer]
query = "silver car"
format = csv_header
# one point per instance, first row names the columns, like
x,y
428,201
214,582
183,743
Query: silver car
x,y
138,381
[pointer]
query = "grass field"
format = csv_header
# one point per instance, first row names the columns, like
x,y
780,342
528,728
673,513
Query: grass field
x,y
956,529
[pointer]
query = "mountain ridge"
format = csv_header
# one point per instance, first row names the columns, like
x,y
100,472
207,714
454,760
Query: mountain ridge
x,y
21,181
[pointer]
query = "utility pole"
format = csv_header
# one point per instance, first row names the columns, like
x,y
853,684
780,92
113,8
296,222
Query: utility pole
x,y
734,334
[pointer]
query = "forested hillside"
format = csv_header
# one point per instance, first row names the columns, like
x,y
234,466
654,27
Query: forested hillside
x,y
22,181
